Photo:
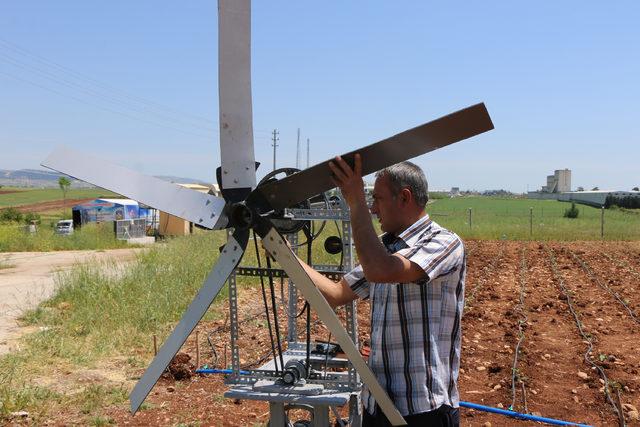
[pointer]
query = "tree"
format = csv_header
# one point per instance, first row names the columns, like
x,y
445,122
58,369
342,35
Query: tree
x,y
635,189
64,184
595,189
580,188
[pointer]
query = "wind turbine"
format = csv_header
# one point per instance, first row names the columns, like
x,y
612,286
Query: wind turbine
x,y
244,206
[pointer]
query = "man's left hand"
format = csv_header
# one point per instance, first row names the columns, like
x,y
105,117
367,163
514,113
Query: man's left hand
x,y
349,180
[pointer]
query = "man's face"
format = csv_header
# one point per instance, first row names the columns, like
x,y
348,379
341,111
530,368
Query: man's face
x,y
385,206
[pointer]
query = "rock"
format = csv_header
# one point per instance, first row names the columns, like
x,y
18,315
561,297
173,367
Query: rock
x,y
481,368
627,407
19,414
583,375
633,415
487,424
500,405
575,399
171,389
534,391
547,356
574,391
497,387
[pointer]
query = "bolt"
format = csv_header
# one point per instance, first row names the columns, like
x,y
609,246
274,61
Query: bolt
x,y
212,215
200,220
235,181
208,202
235,247
225,172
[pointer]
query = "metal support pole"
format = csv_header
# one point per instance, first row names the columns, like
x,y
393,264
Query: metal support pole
x,y
602,223
469,218
530,223
274,144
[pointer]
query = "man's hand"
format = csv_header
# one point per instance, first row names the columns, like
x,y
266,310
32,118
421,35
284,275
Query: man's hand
x,y
349,180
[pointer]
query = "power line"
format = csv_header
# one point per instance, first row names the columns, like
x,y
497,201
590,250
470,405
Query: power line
x,y
114,95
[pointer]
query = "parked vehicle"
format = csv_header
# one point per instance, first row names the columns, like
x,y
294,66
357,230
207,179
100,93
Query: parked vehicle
x,y
64,227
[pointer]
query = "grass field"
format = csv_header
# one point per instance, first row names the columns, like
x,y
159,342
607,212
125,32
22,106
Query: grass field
x,y
27,196
13,238
501,218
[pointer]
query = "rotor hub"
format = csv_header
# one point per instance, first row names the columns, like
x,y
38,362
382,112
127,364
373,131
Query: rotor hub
x,y
241,216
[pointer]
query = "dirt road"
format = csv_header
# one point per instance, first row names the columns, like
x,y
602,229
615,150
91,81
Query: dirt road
x,y
29,279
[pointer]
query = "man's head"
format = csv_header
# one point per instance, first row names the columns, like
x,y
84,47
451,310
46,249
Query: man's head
x,y
400,195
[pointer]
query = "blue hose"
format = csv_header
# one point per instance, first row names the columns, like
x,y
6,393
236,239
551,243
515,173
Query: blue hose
x,y
219,371
520,416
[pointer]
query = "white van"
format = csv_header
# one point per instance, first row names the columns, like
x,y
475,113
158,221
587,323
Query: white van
x,y
64,227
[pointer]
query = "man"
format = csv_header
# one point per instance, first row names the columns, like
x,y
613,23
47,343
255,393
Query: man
x,y
414,279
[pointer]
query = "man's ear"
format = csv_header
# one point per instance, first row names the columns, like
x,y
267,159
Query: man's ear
x,y
406,196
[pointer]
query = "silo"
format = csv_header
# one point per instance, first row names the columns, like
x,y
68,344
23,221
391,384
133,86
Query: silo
x,y
563,178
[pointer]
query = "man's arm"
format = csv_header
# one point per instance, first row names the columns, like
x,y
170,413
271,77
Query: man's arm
x,y
378,265
336,294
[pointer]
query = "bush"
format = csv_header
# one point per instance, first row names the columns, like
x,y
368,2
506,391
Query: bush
x,y
10,214
572,212
32,216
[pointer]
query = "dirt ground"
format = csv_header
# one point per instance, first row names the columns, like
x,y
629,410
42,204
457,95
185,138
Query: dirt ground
x,y
51,205
30,280
514,290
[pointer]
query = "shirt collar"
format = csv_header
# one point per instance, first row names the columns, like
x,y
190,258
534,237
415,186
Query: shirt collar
x,y
415,230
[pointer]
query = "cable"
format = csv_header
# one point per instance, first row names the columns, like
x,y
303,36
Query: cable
x,y
521,322
275,312
266,306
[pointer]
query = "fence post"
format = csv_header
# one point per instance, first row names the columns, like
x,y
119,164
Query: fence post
x,y
602,223
530,222
469,218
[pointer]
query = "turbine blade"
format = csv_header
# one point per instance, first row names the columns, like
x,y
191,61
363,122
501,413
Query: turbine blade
x,y
234,74
229,258
199,208
441,132
276,246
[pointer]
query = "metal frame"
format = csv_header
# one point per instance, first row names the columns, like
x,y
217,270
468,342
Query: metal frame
x,y
341,388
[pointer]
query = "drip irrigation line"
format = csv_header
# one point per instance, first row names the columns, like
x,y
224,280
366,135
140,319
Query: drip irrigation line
x,y
596,279
522,321
585,336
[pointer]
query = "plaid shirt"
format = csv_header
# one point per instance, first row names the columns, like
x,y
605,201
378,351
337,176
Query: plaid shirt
x,y
415,327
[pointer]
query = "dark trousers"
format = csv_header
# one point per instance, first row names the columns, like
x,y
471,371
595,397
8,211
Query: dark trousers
x,y
444,416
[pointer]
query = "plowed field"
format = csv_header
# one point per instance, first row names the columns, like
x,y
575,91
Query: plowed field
x,y
573,309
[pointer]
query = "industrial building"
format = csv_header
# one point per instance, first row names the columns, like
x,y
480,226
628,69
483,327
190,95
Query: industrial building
x,y
558,187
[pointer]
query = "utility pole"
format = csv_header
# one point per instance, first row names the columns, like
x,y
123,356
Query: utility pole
x,y
274,143
307,152
298,151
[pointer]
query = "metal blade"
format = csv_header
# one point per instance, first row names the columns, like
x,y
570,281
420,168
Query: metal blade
x,y
229,258
234,74
200,208
446,130
276,246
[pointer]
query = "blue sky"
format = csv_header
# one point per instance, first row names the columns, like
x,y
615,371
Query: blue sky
x,y
136,82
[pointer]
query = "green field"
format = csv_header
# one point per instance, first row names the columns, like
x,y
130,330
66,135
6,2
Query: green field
x,y
28,196
509,218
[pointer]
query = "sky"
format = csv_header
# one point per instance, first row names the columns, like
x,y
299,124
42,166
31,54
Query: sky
x,y
135,82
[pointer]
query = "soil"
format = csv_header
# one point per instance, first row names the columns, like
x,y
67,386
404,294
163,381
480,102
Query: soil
x,y
553,378
9,191
51,205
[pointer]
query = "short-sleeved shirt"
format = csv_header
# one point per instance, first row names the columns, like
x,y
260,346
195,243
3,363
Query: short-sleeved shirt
x,y
415,327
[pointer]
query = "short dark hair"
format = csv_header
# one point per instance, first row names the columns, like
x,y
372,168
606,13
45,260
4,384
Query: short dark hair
x,y
407,175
